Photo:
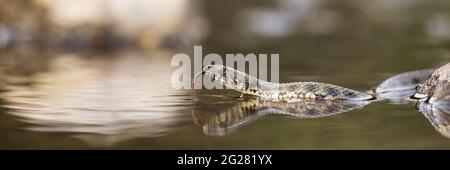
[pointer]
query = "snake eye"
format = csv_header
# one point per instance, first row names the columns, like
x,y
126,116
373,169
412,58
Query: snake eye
x,y
207,68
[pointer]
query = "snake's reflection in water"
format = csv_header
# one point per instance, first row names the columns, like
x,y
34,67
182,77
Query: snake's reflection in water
x,y
224,122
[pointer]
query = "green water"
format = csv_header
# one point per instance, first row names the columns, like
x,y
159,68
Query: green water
x,y
124,100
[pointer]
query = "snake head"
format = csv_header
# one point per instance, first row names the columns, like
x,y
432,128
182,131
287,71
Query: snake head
x,y
215,72
230,77
220,74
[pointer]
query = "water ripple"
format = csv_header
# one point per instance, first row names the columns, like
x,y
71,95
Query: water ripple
x,y
97,100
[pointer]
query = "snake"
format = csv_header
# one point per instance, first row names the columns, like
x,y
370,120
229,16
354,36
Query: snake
x,y
294,91
316,100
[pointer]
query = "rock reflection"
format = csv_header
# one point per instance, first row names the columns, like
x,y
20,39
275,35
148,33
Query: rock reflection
x,y
223,123
438,115
99,101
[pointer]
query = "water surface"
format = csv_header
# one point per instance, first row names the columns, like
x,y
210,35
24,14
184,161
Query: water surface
x,y
125,101
59,99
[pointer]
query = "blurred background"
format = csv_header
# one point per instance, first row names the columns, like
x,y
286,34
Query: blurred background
x,y
145,24
96,73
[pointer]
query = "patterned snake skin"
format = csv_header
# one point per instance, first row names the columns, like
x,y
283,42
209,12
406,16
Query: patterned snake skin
x,y
246,84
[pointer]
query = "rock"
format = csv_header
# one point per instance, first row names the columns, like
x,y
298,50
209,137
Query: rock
x,y
437,87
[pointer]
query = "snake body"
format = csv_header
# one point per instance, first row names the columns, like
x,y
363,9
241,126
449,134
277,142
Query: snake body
x,y
247,84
